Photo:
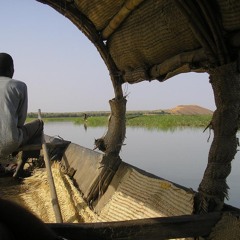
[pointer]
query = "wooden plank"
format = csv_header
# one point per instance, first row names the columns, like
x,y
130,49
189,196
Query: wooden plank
x,y
154,228
38,146
30,147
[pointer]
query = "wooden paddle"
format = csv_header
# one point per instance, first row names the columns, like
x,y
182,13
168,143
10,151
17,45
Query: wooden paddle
x,y
53,192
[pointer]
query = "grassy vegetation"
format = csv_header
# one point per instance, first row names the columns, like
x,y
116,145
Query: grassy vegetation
x,y
170,121
59,119
137,119
94,121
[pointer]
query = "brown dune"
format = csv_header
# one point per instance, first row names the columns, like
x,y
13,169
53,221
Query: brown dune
x,y
189,110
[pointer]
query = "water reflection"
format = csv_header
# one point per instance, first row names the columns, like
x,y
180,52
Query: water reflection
x,y
85,126
179,155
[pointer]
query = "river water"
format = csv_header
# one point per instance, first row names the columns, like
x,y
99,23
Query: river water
x,y
179,155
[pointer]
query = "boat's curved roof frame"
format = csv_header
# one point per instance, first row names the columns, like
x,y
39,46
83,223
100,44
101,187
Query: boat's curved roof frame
x,y
144,40
157,39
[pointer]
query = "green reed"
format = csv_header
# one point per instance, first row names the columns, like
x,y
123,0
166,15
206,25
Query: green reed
x,y
169,121
93,121
161,121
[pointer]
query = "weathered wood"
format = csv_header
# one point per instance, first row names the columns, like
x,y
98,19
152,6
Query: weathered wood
x,y
112,142
154,228
54,199
38,146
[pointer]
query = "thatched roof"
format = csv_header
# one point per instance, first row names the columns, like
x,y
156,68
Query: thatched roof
x,y
156,39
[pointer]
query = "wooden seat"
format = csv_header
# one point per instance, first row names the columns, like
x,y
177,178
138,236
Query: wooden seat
x,y
30,147
38,146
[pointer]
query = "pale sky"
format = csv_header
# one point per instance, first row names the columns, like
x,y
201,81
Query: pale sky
x,y
65,73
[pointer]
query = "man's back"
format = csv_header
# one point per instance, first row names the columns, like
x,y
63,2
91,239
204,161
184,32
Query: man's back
x,y
13,109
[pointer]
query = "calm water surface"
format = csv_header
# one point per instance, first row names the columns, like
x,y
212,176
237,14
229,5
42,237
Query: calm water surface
x,y
178,155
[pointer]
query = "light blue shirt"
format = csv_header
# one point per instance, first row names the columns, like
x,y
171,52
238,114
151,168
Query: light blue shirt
x,y
13,113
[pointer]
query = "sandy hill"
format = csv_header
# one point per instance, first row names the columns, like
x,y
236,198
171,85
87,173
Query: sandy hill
x,y
189,110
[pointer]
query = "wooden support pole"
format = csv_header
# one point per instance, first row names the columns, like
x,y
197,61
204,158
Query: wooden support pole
x,y
54,199
213,189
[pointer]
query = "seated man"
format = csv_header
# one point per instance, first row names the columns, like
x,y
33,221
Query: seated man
x,y
14,133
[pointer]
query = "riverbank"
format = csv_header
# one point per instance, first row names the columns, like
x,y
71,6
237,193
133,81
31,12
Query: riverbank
x,y
161,121
179,116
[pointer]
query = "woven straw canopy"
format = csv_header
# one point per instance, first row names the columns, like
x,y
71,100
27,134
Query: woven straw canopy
x,y
156,39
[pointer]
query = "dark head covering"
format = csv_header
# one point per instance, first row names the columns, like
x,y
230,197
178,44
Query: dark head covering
x,y
6,65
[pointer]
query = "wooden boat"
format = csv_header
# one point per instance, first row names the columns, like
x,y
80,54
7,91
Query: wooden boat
x,y
154,208
135,204
155,40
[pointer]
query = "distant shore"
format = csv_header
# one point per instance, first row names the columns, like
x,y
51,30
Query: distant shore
x,y
178,110
161,121
180,116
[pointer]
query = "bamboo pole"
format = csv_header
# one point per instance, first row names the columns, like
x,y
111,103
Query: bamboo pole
x,y
124,12
54,199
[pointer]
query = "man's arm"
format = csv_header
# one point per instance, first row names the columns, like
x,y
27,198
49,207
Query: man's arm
x,y
23,106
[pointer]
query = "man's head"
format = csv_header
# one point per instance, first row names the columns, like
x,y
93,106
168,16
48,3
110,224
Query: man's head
x,y
6,65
